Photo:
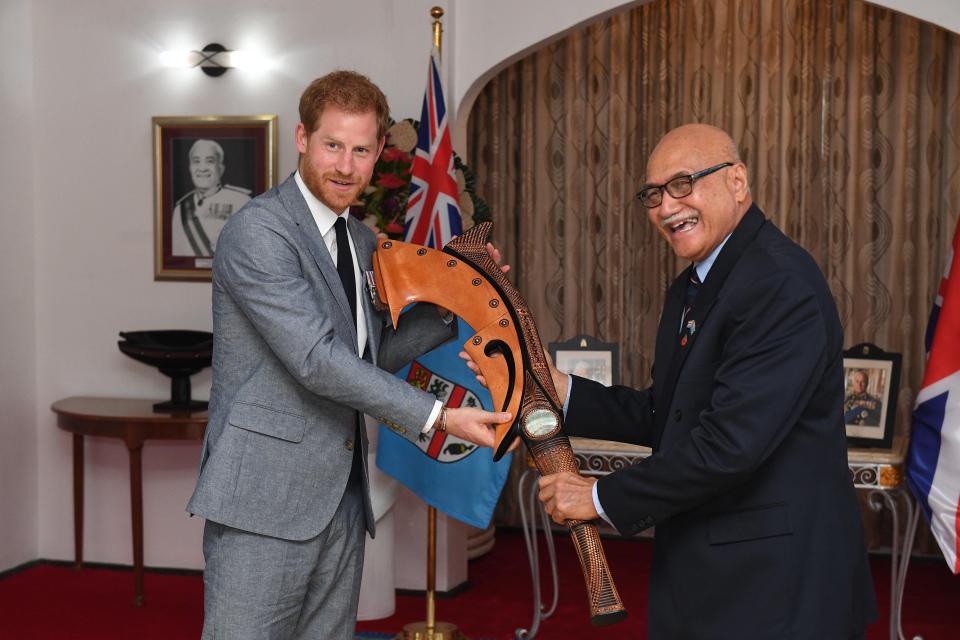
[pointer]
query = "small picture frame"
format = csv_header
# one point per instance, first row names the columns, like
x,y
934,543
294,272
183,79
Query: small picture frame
x,y
587,357
205,169
871,380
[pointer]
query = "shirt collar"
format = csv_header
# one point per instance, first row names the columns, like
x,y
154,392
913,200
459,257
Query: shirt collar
x,y
322,214
703,267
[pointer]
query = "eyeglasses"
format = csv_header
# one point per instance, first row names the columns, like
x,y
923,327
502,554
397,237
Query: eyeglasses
x,y
680,187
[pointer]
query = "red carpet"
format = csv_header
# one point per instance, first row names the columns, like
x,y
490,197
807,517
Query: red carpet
x,y
47,602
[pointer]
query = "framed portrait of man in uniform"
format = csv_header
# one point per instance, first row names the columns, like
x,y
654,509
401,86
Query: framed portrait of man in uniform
x,y
205,169
871,380
587,357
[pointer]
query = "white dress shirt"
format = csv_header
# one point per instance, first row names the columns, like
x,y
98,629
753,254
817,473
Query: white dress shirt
x,y
325,219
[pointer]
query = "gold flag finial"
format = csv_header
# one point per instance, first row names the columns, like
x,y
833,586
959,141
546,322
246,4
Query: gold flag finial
x,y
436,13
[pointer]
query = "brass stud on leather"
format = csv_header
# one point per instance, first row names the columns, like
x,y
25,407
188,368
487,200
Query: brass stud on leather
x,y
494,303
452,263
477,340
421,252
387,245
504,322
475,282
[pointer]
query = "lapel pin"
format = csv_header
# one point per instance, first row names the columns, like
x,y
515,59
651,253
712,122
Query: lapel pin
x,y
683,340
692,326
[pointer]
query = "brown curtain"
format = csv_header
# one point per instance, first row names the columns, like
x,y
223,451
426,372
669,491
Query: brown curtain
x,y
845,113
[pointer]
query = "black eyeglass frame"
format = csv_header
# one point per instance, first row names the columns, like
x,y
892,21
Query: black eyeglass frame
x,y
689,179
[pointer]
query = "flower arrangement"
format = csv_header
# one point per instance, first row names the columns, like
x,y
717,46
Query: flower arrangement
x,y
383,204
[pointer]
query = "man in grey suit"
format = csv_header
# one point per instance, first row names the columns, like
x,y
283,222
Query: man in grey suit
x,y
299,355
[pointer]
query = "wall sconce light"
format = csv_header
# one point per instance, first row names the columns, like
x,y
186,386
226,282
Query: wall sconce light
x,y
214,59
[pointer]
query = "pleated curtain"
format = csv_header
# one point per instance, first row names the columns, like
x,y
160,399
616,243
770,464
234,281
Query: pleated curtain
x,y
846,114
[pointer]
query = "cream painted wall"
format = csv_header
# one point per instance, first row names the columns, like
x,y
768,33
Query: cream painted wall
x,y
18,440
945,13
86,178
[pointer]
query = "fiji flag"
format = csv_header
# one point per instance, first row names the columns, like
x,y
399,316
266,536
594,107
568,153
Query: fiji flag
x,y
452,475
933,463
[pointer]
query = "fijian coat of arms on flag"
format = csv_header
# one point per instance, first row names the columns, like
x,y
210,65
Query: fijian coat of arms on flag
x,y
443,446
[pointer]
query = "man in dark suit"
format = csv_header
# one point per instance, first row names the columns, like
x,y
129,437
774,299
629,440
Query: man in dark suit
x,y
758,533
299,353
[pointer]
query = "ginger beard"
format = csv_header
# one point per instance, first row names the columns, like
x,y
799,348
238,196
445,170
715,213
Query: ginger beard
x,y
333,189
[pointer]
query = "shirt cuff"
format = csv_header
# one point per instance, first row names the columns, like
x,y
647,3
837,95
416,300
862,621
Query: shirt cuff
x,y
566,405
598,507
437,405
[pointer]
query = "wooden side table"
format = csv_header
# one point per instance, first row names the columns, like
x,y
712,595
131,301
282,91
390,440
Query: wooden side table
x,y
134,422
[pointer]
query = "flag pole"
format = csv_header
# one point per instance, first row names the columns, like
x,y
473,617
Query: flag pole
x,y
436,13
431,629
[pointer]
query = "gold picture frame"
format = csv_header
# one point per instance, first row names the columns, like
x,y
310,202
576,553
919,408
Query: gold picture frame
x,y
205,168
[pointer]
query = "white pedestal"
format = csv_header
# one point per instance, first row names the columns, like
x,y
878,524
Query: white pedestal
x,y
410,558
377,593
377,589
397,558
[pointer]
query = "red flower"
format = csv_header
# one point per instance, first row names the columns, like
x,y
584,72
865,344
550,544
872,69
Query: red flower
x,y
390,181
393,154
394,228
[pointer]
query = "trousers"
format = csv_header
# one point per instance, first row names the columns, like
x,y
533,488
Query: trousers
x,y
264,588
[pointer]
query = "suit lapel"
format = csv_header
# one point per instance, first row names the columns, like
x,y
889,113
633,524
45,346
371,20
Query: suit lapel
x,y
667,335
677,346
739,240
666,356
365,244
297,206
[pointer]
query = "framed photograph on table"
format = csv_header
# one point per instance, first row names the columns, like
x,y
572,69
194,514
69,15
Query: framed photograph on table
x,y
587,357
205,169
871,379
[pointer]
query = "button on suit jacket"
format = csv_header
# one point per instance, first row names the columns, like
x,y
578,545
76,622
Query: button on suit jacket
x,y
758,532
288,385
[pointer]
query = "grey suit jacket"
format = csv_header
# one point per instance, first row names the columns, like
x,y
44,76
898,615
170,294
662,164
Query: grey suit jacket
x,y
287,381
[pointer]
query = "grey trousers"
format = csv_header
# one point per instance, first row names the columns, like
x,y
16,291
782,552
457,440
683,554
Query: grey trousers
x,y
259,588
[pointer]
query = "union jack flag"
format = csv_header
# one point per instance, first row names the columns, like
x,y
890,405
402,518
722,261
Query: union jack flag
x,y
933,463
433,210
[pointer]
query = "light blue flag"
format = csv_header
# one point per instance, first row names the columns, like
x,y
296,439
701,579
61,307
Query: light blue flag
x,y
452,475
